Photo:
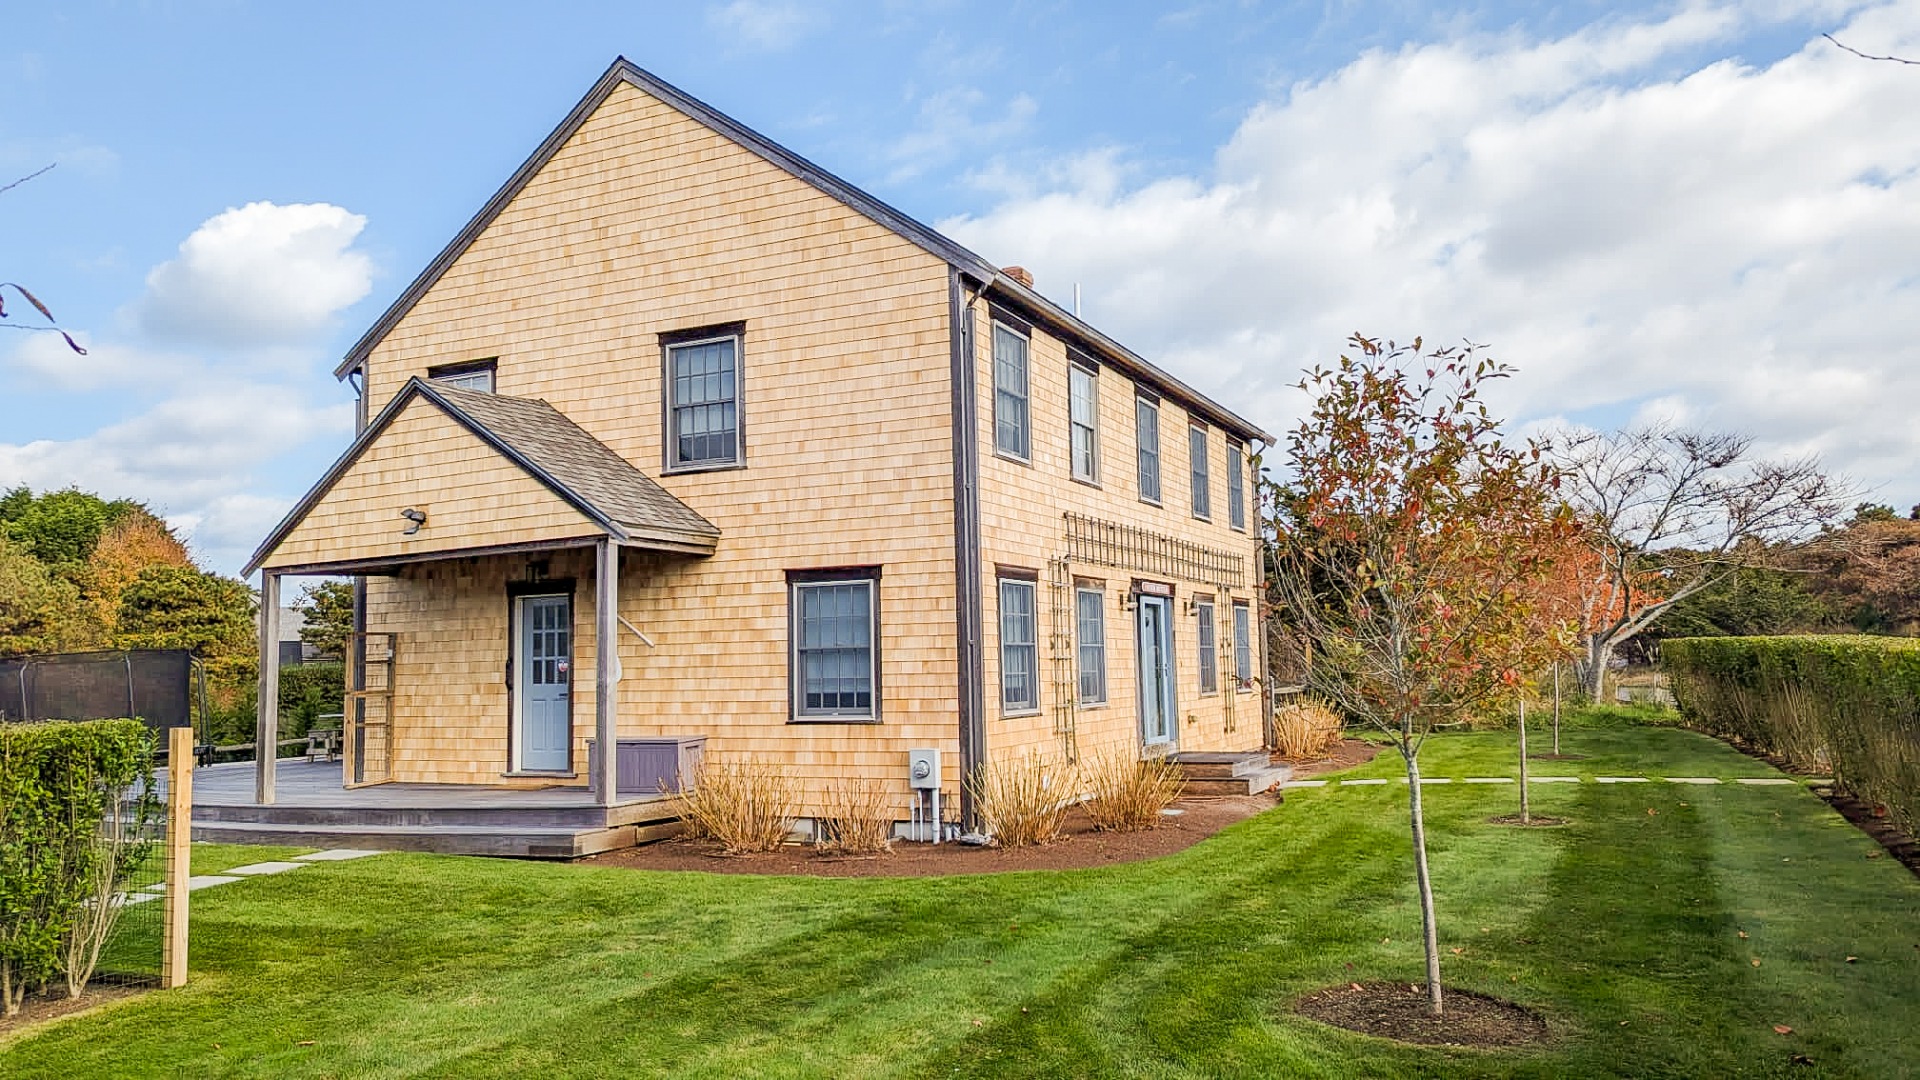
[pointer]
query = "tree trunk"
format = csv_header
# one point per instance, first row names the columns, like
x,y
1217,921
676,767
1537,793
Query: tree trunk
x,y
1430,935
1594,668
1556,708
1526,810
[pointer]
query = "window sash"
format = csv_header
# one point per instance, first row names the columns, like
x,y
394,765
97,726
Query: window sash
x,y
1201,481
704,377
1147,434
1083,394
480,379
1090,634
1243,645
1236,486
1011,433
1019,654
1209,650
833,648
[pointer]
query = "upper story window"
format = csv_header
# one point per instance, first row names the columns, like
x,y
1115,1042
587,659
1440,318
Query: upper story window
x,y
1146,424
1202,482
1083,413
1236,486
703,397
835,662
1012,434
472,375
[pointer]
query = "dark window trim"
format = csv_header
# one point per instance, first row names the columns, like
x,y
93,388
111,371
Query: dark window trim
x,y
1025,331
1194,492
669,340
1201,648
818,576
1005,316
490,365
1031,579
1159,448
1075,359
515,590
1253,656
1238,506
1082,586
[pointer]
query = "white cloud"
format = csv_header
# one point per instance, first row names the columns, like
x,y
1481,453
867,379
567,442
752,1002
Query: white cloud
x,y
763,24
1733,241
262,274
43,361
950,123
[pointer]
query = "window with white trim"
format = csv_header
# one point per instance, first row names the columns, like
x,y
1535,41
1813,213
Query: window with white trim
x,y
1090,636
1236,486
835,660
1019,654
1083,421
1199,478
1209,647
1243,644
1011,431
703,417
1146,427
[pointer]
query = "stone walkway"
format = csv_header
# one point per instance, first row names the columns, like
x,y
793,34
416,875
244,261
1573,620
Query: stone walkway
x,y
241,873
1754,781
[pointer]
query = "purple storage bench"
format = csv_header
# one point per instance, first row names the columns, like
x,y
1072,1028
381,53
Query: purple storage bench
x,y
650,765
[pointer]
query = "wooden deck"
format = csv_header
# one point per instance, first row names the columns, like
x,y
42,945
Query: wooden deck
x,y
313,809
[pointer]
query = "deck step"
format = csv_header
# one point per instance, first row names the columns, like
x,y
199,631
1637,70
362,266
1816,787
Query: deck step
x,y
1246,773
523,841
410,817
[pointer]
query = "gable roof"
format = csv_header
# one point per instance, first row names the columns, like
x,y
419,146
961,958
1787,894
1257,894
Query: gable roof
x,y
538,438
623,71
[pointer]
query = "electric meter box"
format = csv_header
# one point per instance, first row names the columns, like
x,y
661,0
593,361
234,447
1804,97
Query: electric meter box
x,y
923,768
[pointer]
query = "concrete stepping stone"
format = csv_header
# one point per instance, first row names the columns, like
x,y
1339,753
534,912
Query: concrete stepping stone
x,y
198,882
1620,780
1361,783
1691,779
1489,780
1553,780
1436,779
335,855
130,899
1304,783
1768,780
261,868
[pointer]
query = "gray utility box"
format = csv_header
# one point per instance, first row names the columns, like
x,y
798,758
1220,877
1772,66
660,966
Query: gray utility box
x,y
651,765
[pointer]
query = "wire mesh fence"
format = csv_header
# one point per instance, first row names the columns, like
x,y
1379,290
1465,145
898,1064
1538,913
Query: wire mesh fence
x,y
133,949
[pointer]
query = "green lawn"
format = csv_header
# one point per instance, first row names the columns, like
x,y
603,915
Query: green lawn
x,y
1622,928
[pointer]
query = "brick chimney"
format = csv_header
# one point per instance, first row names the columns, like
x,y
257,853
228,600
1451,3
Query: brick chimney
x,y
1019,274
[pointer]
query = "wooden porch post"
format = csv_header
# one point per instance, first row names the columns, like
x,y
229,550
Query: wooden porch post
x,y
266,730
606,668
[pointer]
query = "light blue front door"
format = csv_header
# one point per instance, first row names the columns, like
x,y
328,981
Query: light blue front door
x,y
1156,671
546,679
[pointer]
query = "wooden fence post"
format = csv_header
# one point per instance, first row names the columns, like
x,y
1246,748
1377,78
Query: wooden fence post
x,y
178,854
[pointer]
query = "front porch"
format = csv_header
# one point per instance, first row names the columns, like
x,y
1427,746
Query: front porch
x,y
313,809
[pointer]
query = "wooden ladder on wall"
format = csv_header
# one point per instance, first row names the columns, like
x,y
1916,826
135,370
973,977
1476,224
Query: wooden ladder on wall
x,y
367,729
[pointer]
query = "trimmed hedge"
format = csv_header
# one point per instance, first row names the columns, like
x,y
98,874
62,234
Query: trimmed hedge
x,y
1848,703
58,782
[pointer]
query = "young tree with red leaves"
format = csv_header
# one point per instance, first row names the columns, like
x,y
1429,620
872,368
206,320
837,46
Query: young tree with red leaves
x,y
1405,551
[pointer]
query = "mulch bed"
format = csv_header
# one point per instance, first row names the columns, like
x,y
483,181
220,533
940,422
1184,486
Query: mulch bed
x,y
1399,1011
1540,821
1348,754
40,1010
1082,846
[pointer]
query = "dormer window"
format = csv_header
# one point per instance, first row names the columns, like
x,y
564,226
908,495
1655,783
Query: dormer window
x,y
471,375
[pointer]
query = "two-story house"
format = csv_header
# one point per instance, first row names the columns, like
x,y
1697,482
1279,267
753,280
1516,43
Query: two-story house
x,y
684,438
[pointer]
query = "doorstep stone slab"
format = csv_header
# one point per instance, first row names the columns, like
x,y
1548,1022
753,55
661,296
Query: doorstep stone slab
x,y
1620,780
260,868
1768,780
335,855
1691,779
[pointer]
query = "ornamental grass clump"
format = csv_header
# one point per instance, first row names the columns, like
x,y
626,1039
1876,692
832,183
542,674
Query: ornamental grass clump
x,y
1022,802
857,818
1125,794
1306,730
747,806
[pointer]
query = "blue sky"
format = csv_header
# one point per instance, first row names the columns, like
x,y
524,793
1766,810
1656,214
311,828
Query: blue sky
x,y
1699,211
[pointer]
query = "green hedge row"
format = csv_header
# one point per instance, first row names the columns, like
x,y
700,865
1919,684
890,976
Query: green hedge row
x,y
1842,702
59,783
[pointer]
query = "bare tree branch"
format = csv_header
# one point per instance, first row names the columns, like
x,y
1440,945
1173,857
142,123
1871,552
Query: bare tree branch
x,y
1866,56
29,176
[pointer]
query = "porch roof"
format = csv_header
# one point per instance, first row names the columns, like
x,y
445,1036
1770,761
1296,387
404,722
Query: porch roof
x,y
529,439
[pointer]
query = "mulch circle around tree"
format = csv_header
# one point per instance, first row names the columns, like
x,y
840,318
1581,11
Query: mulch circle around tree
x,y
1081,847
1399,1011
1346,755
1538,821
